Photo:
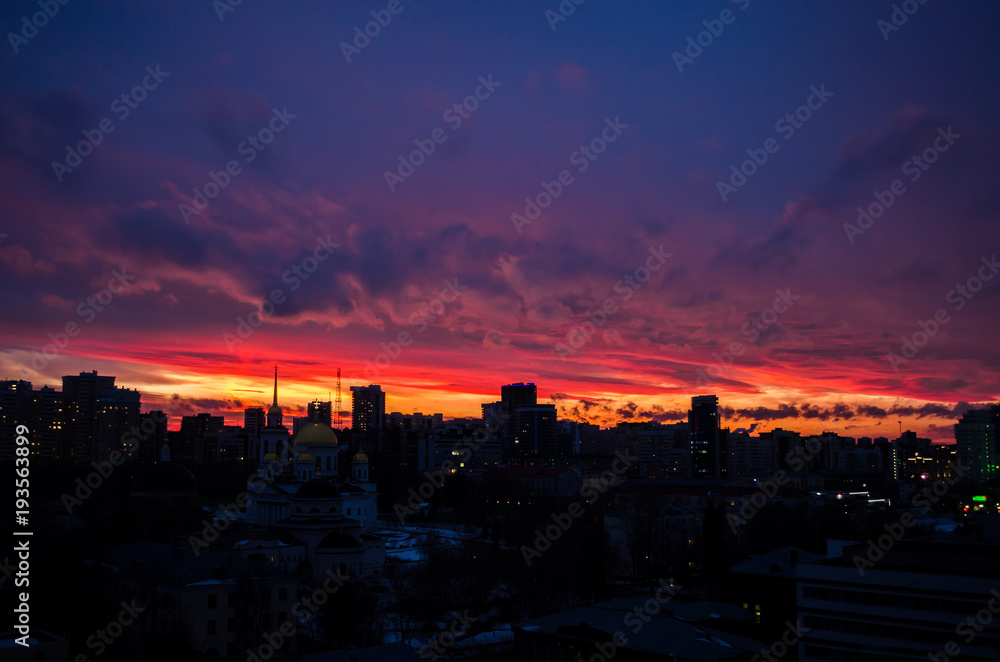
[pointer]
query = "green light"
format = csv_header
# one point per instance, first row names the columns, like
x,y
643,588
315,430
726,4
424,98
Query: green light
x,y
979,498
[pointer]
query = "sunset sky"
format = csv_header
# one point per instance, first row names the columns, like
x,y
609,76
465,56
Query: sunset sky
x,y
650,199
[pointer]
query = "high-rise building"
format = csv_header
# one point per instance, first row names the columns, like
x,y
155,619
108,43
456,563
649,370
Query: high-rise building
x,y
15,409
367,408
253,423
536,432
153,426
80,397
194,428
707,455
48,423
493,416
749,457
320,411
976,439
513,396
116,411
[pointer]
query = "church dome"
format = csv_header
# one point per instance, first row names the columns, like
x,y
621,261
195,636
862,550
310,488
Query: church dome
x,y
360,457
305,457
164,480
315,433
271,457
274,410
339,540
318,488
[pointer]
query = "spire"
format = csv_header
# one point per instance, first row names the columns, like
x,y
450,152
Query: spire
x,y
275,403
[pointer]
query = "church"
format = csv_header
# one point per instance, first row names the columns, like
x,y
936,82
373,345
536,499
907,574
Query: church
x,y
328,522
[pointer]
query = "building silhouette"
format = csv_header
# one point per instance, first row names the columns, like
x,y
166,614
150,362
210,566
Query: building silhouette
x,y
706,451
367,408
976,438
80,393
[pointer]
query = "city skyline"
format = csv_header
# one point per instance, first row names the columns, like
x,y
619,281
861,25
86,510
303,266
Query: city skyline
x,y
612,255
294,408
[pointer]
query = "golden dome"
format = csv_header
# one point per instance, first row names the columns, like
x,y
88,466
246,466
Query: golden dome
x,y
360,457
270,457
274,410
314,433
305,457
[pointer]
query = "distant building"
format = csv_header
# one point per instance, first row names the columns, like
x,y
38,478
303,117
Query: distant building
x,y
367,408
49,423
749,457
320,411
976,436
116,412
195,428
253,422
15,409
151,442
663,450
707,455
536,435
80,394
513,396
415,421
542,481
229,446
493,416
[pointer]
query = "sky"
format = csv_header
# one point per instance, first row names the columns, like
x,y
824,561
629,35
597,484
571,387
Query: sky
x,y
631,204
